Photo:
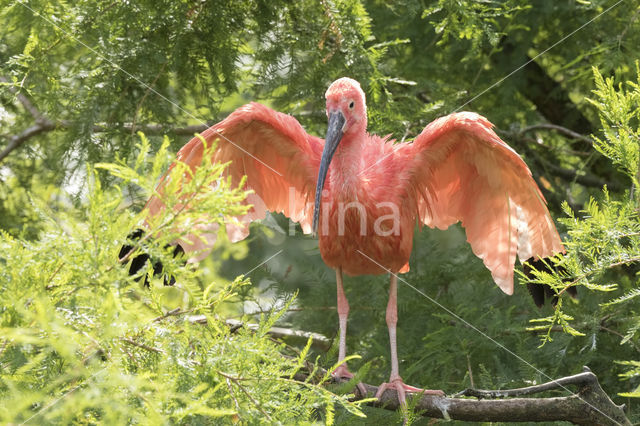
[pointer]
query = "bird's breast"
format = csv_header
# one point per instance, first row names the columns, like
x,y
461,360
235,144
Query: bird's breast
x,y
362,234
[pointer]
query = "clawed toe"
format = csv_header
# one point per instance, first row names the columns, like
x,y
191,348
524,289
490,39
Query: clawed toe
x,y
342,373
401,388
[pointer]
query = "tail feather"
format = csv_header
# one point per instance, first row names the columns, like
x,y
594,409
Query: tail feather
x,y
540,292
141,259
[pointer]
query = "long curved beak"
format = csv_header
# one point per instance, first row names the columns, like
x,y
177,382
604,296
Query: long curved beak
x,y
334,135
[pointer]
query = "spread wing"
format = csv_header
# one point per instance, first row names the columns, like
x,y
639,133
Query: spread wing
x,y
462,171
278,157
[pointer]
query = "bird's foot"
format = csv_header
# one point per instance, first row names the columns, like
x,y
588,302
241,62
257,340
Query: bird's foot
x,y
401,388
342,374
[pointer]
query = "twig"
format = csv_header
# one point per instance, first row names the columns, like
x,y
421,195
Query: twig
x,y
26,103
141,345
529,390
582,179
470,372
146,93
621,336
599,269
50,286
318,340
173,312
233,397
236,380
559,129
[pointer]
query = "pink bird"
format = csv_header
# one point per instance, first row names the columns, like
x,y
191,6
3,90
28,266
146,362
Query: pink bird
x,y
363,194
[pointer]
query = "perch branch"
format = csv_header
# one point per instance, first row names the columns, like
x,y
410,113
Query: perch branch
x,y
23,99
590,405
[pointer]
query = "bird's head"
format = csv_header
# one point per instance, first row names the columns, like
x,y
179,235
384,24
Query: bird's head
x,y
347,115
346,98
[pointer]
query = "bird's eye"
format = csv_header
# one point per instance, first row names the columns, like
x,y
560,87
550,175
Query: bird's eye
x,y
352,104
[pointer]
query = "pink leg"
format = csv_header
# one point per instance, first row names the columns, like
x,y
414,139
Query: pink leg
x,y
343,313
395,381
342,372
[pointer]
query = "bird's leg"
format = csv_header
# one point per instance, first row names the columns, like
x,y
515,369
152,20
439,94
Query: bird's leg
x,y
395,381
342,372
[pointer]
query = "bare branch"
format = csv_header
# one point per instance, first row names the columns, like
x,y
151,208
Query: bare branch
x,y
590,405
26,103
581,378
236,381
44,124
318,340
559,129
150,129
17,140
583,179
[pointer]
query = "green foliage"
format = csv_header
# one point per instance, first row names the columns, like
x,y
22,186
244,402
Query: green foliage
x,y
100,71
633,372
83,342
620,122
603,244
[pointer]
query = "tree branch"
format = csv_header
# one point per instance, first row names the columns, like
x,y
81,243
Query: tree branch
x,y
590,405
17,140
26,103
44,124
580,177
559,129
317,340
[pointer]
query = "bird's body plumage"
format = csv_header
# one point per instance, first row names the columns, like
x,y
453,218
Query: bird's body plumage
x,y
363,195
376,191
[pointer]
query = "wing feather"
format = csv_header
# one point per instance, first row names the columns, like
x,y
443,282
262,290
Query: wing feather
x,y
278,157
462,171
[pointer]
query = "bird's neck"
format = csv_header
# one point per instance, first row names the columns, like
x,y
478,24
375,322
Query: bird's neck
x,y
347,161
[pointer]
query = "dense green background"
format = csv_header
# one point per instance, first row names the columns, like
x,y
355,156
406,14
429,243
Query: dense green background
x,y
88,72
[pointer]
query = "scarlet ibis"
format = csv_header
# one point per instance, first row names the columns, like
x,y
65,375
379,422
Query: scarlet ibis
x,y
363,194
